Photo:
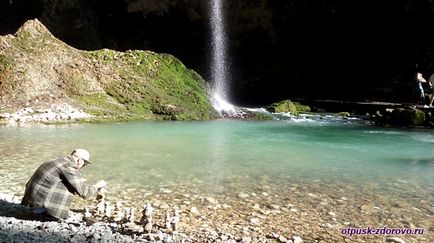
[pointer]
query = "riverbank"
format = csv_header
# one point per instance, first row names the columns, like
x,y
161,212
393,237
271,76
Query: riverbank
x,y
376,112
17,223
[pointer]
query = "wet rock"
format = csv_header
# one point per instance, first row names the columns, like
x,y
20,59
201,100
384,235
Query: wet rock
x,y
210,200
243,195
256,207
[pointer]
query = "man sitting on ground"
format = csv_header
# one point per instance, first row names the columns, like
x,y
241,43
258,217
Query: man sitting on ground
x,y
49,191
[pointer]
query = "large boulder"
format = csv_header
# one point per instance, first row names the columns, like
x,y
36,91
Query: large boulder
x,y
284,106
408,116
401,117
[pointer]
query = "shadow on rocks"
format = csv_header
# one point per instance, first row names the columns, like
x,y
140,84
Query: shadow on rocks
x,y
18,211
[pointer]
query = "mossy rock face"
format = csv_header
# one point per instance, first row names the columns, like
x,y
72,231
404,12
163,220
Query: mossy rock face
x,y
105,83
284,106
302,108
408,116
153,85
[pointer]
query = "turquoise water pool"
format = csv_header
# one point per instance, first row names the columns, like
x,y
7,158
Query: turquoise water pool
x,y
219,152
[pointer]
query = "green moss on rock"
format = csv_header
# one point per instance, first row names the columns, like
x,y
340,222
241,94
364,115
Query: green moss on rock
x,y
157,85
261,116
302,108
284,106
343,114
5,63
103,54
408,116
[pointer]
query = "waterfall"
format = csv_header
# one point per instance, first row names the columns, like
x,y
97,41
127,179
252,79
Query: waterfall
x,y
219,66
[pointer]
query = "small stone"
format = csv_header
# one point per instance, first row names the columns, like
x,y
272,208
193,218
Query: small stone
x,y
210,200
395,240
73,228
194,210
255,221
366,208
246,239
282,238
243,195
225,206
297,239
164,190
274,206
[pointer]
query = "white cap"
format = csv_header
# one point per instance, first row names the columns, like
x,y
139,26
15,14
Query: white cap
x,y
83,154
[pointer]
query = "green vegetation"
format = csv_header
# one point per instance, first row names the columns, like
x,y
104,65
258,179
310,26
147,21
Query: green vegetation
x,y
5,64
261,116
284,106
149,85
23,41
5,85
301,108
104,54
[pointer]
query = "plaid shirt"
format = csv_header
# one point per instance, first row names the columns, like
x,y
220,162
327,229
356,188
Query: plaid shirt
x,y
53,185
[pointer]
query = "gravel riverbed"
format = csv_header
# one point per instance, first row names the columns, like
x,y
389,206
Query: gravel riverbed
x,y
306,212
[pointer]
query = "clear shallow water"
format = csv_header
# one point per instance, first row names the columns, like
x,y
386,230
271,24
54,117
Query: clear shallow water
x,y
213,157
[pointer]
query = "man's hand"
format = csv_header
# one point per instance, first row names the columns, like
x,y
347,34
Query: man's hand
x,y
100,184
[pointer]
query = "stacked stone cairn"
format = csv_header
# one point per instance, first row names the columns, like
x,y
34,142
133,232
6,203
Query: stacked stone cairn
x,y
117,214
125,219
146,220
103,210
172,221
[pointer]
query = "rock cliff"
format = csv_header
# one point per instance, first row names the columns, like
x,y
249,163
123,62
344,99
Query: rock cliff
x,y
37,71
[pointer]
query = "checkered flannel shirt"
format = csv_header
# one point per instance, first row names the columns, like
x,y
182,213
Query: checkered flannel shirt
x,y
53,185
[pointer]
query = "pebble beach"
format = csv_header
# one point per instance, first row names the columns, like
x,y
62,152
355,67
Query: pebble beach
x,y
304,212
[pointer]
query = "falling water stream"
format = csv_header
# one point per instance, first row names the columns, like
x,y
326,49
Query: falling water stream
x,y
219,65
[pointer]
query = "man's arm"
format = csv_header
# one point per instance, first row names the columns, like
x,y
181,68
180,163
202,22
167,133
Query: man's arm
x,y
75,182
